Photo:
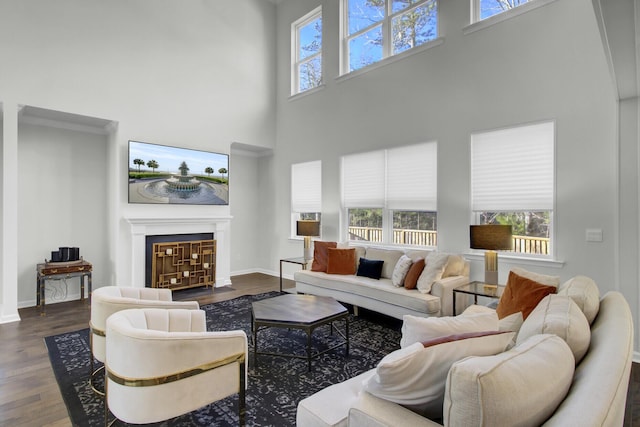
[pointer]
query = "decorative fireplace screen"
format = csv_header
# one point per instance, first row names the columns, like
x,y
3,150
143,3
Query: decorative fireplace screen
x,y
181,265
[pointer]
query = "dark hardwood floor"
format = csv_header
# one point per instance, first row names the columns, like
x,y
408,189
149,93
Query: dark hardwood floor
x,y
29,394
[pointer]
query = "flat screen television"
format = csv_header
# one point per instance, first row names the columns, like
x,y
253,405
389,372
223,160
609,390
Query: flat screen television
x,y
160,174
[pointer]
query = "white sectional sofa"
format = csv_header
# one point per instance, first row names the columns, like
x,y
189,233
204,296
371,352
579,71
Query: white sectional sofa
x,y
381,295
533,383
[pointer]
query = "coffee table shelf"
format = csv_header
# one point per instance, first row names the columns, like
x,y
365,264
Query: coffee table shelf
x,y
305,312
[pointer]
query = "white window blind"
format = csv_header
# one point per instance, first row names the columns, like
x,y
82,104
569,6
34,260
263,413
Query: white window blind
x,y
513,169
403,178
412,177
306,187
363,180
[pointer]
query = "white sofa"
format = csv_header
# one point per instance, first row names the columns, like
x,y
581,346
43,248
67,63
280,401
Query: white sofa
x,y
381,295
596,395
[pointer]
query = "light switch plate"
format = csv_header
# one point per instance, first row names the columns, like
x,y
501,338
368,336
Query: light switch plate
x,y
594,235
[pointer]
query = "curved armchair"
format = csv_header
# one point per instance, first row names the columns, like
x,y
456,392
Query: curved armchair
x,y
110,299
163,363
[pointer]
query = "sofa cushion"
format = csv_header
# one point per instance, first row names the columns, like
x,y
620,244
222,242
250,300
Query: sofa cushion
x,y
521,294
560,316
415,376
522,386
320,255
400,271
585,293
435,264
341,261
411,279
389,256
371,268
543,279
419,329
357,288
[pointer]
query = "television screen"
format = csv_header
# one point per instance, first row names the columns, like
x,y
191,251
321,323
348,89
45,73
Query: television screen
x,y
172,175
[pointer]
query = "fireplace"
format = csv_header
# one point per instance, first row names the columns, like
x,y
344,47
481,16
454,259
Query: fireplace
x,y
141,228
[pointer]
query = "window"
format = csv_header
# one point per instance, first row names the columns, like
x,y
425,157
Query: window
x,y
377,29
513,182
389,196
487,8
306,52
306,192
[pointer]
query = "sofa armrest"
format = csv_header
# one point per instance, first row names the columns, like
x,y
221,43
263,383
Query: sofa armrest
x,y
443,288
371,411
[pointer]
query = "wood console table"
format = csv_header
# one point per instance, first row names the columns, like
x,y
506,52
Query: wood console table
x,y
58,271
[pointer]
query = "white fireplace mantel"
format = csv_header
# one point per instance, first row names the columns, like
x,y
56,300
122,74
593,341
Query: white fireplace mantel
x,y
142,227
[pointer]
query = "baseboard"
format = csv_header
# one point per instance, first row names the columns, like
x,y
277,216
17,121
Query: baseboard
x,y
636,357
258,270
10,319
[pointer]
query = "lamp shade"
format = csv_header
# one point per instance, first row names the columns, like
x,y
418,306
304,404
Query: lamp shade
x,y
491,237
308,228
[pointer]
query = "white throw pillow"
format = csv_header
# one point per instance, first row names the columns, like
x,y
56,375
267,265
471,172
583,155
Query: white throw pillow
x,y
560,316
400,271
543,279
415,376
585,293
522,386
420,329
435,264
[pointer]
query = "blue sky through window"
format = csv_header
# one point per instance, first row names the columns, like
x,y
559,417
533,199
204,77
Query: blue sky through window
x,y
489,8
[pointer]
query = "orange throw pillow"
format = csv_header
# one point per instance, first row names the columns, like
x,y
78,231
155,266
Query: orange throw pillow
x,y
411,279
521,295
341,261
320,255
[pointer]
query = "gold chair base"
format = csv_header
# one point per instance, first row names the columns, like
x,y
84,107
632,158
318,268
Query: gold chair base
x,y
91,381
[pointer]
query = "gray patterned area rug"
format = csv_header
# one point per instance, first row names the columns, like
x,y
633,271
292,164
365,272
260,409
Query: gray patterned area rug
x,y
276,384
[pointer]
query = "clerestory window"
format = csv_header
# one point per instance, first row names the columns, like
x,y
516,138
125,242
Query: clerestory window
x,y
306,52
376,29
484,9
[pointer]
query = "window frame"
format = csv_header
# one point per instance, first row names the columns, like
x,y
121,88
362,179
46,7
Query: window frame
x,y
387,34
477,24
296,62
475,214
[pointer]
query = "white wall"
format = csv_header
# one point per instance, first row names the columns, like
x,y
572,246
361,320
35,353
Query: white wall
x,y
545,64
191,73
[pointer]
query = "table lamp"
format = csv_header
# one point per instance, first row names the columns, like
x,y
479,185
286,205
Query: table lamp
x,y
308,228
491,237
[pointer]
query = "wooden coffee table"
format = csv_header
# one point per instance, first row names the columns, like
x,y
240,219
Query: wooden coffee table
x,y
304,312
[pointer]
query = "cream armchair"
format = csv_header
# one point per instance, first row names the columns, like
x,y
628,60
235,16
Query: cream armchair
x,y
110,299
163,363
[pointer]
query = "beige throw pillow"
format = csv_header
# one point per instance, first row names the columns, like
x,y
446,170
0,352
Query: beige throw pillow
x,y
585,293
419,329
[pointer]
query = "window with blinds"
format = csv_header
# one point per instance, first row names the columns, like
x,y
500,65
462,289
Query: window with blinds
x,y
390,196
306,192
513,182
